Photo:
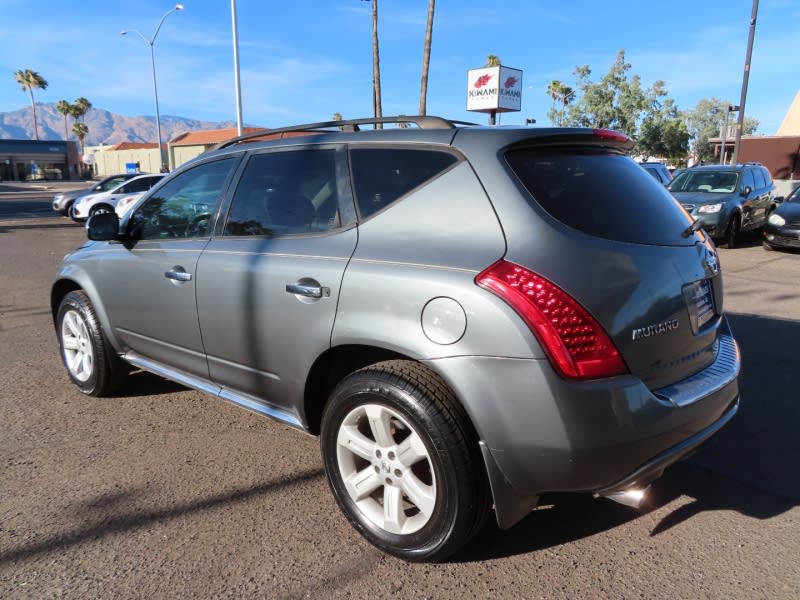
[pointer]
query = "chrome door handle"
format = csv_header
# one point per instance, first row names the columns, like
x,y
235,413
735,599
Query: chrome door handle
x,y
310,291
178,275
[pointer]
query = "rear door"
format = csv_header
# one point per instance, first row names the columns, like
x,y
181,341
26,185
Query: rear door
x,y
268,282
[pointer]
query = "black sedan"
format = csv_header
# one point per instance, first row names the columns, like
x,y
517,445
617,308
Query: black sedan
x,y
783,225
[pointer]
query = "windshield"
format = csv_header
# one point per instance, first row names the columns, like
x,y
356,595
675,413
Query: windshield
x,y
603,194
794,196
714,182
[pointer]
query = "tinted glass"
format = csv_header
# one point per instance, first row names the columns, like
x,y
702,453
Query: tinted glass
x,y
283,193
747,180
183,207
381,176
604,195
110,184
137,185
719,182
758,175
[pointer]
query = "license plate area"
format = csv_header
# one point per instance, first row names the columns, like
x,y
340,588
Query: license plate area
x,y
699,298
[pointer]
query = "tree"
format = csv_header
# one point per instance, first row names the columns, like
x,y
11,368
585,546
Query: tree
x,y
492,61
30,80
80,130
706,121
65,108
80,107
664,134
559,93
614,102
426,59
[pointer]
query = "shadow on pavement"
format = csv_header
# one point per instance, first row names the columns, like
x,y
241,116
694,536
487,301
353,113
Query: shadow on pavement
x,y
127,515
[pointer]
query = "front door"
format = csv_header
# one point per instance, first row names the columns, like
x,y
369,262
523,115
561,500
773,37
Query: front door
x,y
152,303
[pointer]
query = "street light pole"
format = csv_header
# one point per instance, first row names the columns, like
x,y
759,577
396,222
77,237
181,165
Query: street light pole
x,y
150,42
237,83
745,79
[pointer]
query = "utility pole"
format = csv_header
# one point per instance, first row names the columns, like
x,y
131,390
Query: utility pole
x,y
745,80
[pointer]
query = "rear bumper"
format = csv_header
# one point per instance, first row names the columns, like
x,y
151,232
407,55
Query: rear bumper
x,y
541,434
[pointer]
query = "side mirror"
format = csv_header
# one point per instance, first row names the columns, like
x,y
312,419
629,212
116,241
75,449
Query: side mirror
x,y
778,199
747,191
103,227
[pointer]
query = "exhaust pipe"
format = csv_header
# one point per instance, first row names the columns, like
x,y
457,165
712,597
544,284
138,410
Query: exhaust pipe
x,y
633,497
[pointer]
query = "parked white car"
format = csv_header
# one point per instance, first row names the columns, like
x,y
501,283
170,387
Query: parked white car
x,y
91,204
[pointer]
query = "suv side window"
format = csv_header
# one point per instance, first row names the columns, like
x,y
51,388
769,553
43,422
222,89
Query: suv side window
x,y
111,184
139,185
284,193
767,175
747,180
759,179
183,207
381,176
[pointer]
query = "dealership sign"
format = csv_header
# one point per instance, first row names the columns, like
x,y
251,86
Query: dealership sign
x,y
494,89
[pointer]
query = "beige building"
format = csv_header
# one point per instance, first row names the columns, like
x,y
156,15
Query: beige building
x,y
791,122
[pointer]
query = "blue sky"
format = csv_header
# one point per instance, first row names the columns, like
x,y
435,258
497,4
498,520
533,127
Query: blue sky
x,y
303,60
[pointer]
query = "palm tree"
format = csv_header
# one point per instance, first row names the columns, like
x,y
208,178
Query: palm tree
x,y
81,106
554,91
80,130
567,96
65,108
426,59
492,61
30,80
562,94
376,67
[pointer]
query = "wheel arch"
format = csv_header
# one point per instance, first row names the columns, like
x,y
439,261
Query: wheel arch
x,y
101,206
64,286
330,368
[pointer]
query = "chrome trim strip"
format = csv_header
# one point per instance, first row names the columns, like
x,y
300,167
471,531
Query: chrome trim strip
x,y
191,381
278,414
713,378
205,386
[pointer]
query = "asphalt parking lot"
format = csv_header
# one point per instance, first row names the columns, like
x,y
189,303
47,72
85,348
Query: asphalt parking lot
x,y
162,492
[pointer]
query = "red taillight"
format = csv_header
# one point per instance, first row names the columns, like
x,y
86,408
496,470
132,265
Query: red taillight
x,y
577,345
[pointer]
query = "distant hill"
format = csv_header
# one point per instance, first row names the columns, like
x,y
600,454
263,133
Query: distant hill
x,y
104,127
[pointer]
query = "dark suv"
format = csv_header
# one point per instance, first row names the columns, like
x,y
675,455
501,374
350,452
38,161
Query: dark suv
x,y
726,199
468,317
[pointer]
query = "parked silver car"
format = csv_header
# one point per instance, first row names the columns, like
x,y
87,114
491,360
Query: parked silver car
x,y
468,317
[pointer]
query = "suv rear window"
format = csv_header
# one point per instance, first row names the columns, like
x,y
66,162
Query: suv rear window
x,y
381,176
602,194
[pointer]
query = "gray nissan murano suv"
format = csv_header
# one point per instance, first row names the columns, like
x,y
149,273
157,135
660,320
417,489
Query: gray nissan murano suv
x,y
468,317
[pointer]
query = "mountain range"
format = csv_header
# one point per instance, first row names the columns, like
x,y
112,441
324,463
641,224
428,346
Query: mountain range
x,y
104,127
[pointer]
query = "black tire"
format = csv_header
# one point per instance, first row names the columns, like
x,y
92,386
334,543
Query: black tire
x,y
441,488
91,362
732,232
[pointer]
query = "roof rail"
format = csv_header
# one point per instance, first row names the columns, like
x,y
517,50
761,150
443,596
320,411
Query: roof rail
x,y
421,121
